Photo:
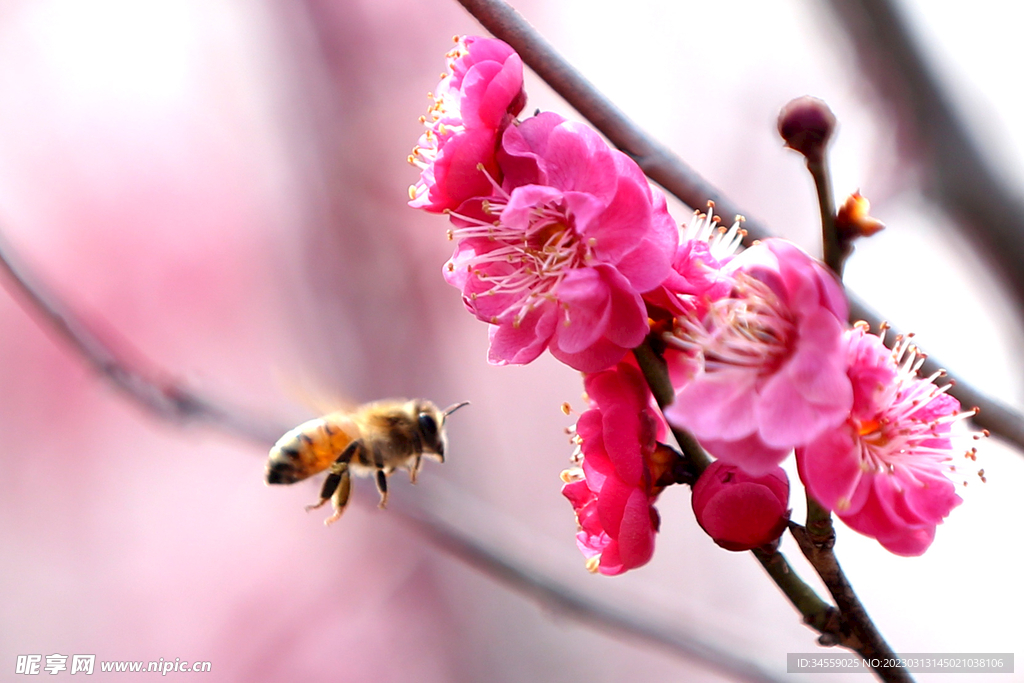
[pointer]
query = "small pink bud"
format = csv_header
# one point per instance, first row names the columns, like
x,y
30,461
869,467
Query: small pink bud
x,y
739,511
806,124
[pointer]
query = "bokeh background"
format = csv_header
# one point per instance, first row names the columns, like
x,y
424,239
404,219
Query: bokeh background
x,y
222,183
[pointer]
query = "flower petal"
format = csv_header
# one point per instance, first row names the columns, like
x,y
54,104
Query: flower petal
x,y
522,344
717,405
586,298
750,454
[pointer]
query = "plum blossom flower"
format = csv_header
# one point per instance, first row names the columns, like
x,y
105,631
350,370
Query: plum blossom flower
x,y
696,275
478,96
773,373
738,511
559,255
694,281
883,471
613,490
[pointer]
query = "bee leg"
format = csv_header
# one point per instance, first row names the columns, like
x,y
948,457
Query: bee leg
x,y
382,486
340,498
415,469
382,478
330,486
338,483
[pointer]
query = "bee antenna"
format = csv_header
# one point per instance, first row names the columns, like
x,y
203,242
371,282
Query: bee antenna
x,y
451,409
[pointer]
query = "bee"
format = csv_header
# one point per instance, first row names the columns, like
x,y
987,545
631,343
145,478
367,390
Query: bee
x,y
374,439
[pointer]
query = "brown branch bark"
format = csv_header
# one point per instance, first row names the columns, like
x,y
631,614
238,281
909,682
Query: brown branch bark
x,y
859,632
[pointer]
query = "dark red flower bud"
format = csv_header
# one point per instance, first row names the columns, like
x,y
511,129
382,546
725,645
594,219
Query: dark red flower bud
x,y
807,124
738,511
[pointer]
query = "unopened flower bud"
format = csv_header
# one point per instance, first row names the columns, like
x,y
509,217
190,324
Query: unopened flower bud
x,y
740,511
807,124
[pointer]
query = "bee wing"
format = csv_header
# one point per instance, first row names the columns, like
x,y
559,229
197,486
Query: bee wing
x,y
313,395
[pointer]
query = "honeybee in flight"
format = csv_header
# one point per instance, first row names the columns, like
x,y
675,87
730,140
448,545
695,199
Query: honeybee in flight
x,y
376,438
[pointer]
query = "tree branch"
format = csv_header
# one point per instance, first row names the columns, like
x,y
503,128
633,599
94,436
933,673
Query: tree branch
x,y
566,601
860,633
158,394
113,357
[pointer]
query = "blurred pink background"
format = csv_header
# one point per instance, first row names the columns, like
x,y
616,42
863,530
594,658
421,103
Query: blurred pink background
x,y
223,183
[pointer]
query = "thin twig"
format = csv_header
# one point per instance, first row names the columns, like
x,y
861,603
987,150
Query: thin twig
x,y
658,162
863,637
153,390
832,255
817,541
666,169
849,625
807,125
818,614
656,374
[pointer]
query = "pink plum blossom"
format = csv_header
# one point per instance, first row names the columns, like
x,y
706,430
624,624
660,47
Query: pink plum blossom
x,y
694,281
478,96
739,511
559,256
696,276
773,373
613,490
883,471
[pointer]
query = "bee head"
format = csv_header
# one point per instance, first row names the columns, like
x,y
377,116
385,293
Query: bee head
x,y
430,422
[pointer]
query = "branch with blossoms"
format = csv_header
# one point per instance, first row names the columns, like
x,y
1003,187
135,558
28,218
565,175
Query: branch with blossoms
x,y
163,396
563,246
666,169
